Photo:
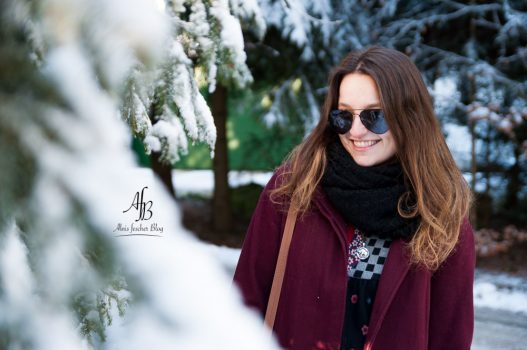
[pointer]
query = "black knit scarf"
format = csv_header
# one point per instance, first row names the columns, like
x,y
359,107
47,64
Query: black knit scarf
x,y
367,197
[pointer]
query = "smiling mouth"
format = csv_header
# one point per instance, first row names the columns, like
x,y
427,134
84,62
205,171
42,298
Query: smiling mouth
x,y
363,144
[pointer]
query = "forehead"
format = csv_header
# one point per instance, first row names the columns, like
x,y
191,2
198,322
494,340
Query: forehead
x,y
358,91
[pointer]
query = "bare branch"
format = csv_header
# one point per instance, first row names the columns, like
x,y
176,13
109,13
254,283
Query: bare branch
x,y
480,65
402,27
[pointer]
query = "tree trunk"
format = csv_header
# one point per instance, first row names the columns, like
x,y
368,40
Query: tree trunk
x,y
164,172
484,199
514,183
474,169
161,170
221,204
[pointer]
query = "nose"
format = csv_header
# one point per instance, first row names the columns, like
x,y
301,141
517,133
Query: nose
x,y
358,129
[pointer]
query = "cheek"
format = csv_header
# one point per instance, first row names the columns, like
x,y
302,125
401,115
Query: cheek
x,y
390,143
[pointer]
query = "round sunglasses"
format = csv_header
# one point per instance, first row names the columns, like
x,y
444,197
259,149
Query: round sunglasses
x,y
372,119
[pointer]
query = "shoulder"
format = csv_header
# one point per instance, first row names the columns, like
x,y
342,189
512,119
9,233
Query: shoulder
x,y
270,192
466,237
463,257
271,201
278,178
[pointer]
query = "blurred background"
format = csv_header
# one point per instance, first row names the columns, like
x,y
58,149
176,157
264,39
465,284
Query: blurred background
x,y
201,101
473,57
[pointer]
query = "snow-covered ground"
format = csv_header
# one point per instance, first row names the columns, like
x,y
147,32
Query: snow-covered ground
x,y
500,291
202,181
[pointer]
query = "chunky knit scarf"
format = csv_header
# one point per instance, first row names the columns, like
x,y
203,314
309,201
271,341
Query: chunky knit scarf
x,y
367,197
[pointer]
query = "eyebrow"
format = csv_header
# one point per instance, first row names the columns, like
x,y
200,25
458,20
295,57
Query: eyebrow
x,y
371,105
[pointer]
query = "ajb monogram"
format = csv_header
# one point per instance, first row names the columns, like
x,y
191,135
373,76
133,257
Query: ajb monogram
x,y
139,204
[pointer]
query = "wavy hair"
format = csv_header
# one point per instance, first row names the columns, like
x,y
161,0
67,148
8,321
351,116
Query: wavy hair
x,y
441,194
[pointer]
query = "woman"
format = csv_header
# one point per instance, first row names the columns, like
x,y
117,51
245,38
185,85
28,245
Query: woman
x,y
382,255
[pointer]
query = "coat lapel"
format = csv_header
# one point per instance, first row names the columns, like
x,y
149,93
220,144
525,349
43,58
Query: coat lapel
x,y
336,221
394,271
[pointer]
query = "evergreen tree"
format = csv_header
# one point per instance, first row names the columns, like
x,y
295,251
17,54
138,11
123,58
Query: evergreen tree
x,y
66,169
206,49
475,49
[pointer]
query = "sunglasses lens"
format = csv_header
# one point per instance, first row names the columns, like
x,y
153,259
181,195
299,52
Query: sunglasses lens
x,y
340,121
373,120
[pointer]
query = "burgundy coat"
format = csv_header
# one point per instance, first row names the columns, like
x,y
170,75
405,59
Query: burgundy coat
x,y
414,309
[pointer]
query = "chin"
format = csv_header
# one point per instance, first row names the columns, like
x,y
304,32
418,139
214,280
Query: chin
x,y
368,161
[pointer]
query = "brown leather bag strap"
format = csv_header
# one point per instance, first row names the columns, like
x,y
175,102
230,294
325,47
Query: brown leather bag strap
x,y
276,288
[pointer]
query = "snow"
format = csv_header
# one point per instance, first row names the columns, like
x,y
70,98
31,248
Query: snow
x,y
85,176
152,143
202,181
104,175
298,20
226,256
500,291
191,105
249,9
17,282
459,142
489,295
170,133
83,181
140,116
206,44
231,32
446,95
20,305
185,296
479,113
182,85
140,31
205,121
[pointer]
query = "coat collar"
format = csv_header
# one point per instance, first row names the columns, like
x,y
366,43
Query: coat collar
x,y
394,271
337,222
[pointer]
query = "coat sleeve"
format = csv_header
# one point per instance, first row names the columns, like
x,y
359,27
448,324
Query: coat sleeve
x,y
255,270
451,301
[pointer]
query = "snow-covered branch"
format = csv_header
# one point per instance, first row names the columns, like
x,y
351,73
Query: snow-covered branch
x,y
67,175
206,47
401,28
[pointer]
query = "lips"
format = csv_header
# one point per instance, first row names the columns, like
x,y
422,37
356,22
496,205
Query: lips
x,y
364,144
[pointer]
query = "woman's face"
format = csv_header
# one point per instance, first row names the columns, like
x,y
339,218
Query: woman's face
x,y
357,92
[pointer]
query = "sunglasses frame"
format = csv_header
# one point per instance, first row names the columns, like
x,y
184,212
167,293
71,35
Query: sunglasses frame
x,y
341,120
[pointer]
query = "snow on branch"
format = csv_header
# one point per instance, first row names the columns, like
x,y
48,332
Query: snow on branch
x,y
206,47
298,20
66,179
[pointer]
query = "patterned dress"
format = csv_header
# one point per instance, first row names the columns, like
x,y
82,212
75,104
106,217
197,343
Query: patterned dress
x,y
366,257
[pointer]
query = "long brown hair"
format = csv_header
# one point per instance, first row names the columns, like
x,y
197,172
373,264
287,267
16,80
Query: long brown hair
x,y
442,195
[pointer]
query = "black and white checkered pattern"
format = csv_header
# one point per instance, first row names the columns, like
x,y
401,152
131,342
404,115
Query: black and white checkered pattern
x,y
371,267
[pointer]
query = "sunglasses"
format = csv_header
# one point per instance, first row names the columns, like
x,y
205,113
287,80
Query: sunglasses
x,y
372,119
